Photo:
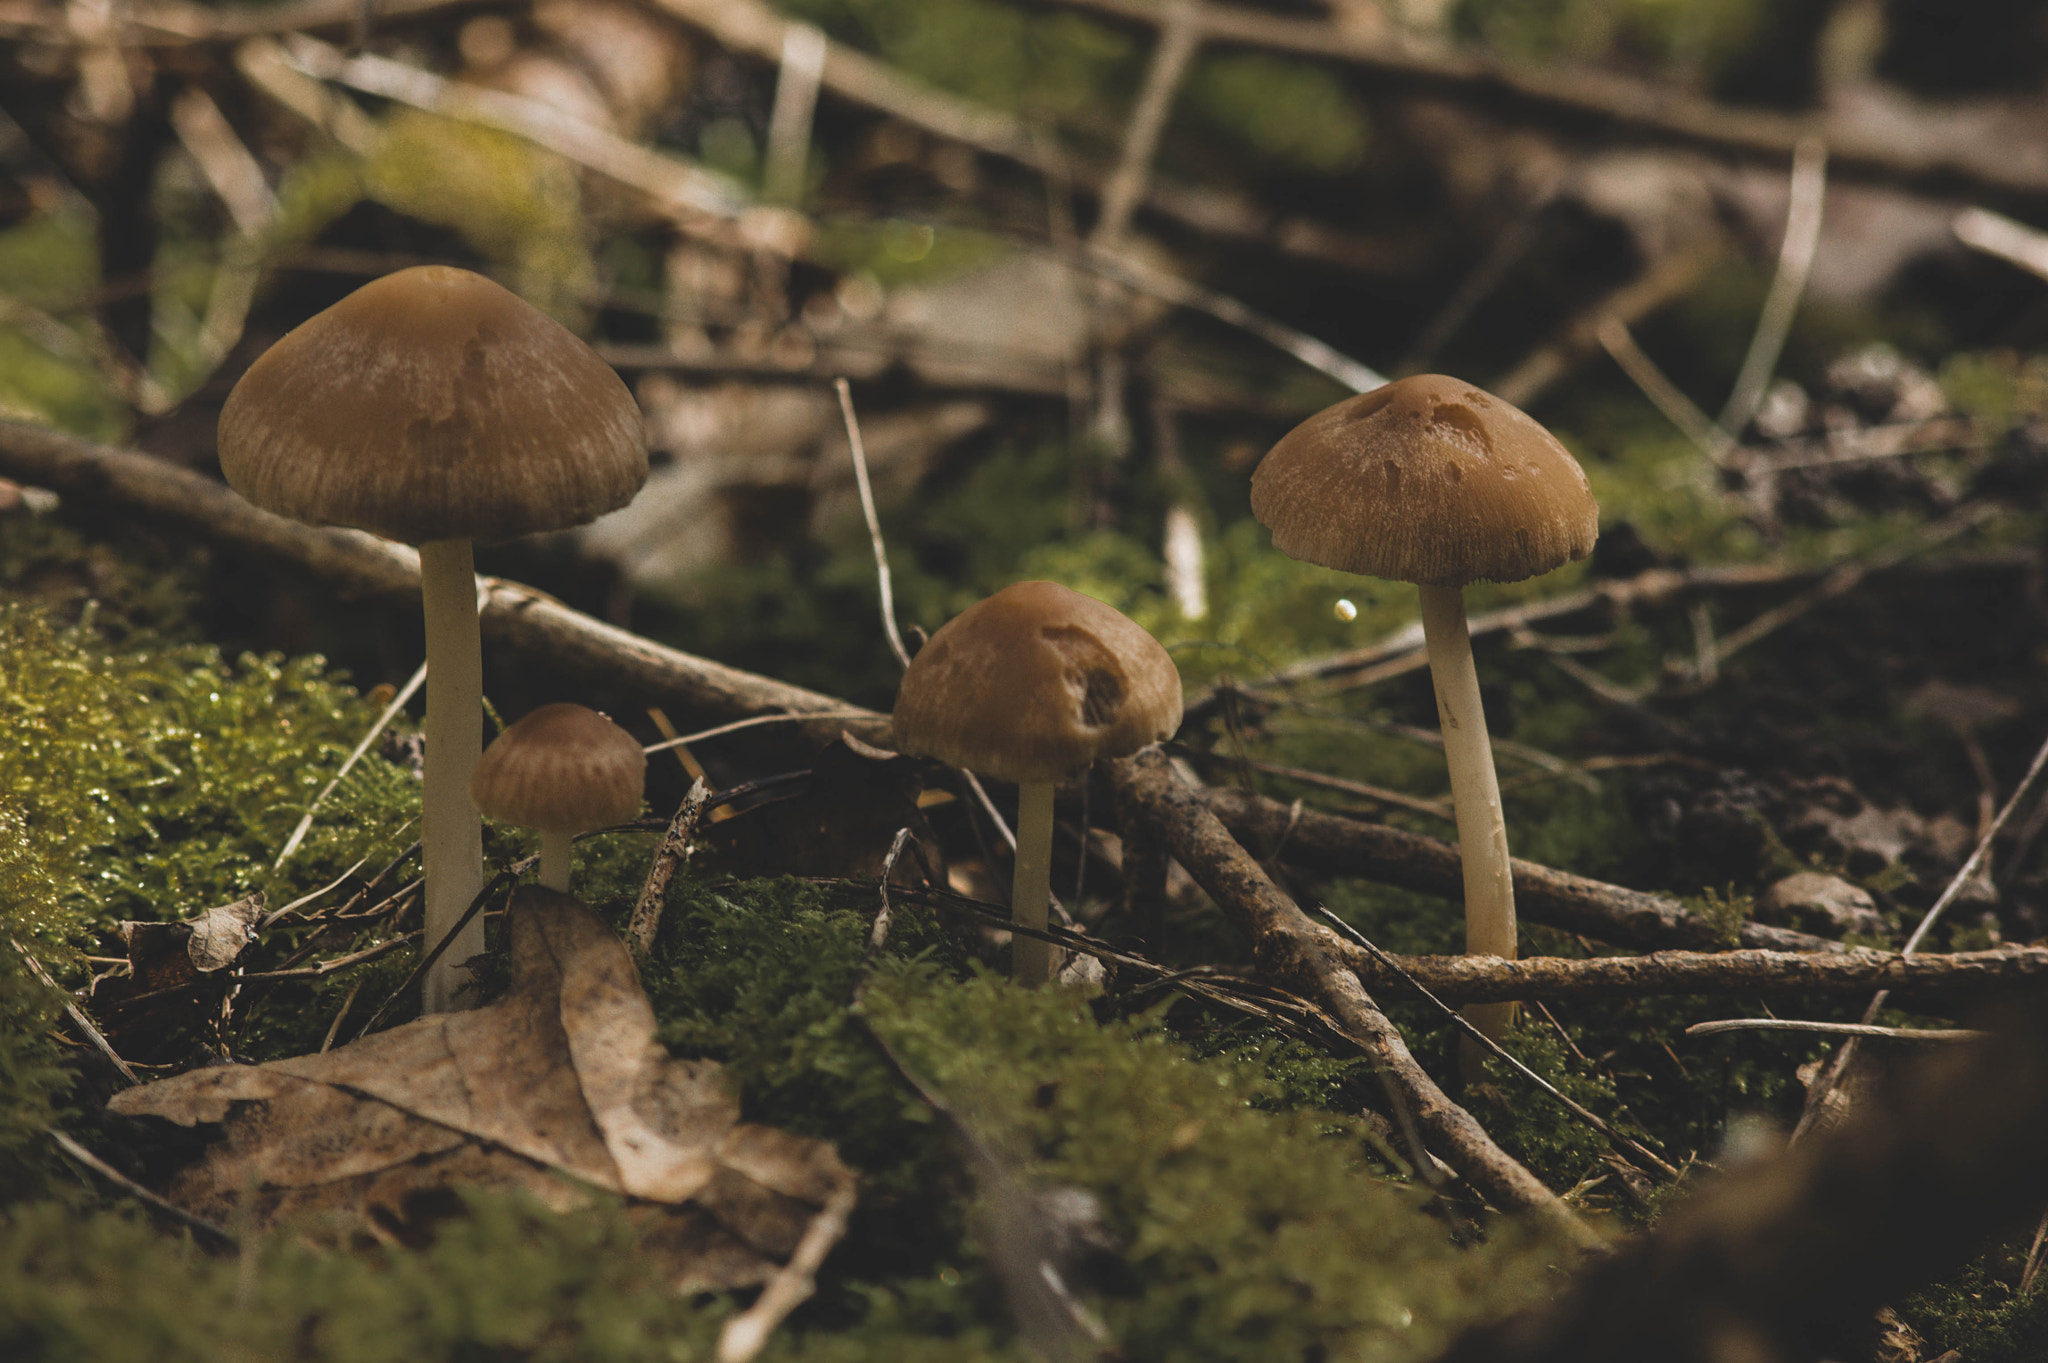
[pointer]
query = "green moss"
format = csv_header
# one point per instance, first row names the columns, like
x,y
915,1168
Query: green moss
x,y
1299,115
1726,909
1980,1312
1534,1127
519,205
999,54
156,780
506,1281
33,1083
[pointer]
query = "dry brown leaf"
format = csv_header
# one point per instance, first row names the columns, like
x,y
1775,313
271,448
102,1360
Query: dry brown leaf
x,y
561,1076
176,978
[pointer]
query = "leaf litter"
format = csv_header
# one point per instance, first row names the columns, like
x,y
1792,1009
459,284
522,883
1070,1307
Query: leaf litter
x,y
558,1089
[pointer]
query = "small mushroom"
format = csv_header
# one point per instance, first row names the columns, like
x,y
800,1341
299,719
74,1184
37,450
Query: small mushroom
x,y
562,770
1031,685
433,406
1431,481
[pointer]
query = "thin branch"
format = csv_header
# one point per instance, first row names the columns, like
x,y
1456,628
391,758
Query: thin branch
x,y
1180,34
1788,285
1620,344
664,178
138,1192
675,843
1435,809
357,564
405,693
1620,1139
754,722
1951,979
1831,1075
77,1015
1171,288
1297,953
1997,235
1331,844
1862,1029
746,1334
789,122
884,584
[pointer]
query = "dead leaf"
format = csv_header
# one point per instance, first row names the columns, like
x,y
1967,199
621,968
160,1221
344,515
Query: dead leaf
x,y
176,978
561,1076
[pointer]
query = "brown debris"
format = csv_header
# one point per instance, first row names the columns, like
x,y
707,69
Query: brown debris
x,y
1331,844
561,1076
1301,955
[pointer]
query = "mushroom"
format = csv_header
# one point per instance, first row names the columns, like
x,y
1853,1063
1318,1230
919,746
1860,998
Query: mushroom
x,y
562,770
434,407
1030,686
1431,481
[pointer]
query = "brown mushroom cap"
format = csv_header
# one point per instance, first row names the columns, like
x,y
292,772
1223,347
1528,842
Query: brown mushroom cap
x,y
433,404
1033,684
562,769
1426,480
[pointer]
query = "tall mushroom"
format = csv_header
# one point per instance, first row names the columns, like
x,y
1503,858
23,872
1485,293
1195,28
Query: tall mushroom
x,y
434,407
1431,481
1031,685
564,769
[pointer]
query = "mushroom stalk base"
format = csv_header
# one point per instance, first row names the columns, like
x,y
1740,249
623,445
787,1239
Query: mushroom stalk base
x,y
451,834
1031,890
1475,798
554,859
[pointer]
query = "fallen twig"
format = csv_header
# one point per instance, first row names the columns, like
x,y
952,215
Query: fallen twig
x,y
646,920
135,1190
1332,844
1962,977
1835,1029
1590,1118
356,563
1297,953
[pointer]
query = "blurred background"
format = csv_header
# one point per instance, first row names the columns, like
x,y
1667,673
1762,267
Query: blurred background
x,y
1767,269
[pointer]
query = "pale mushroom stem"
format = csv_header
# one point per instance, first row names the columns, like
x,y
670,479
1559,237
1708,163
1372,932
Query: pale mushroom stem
x,y
1031,889
554,859
1475,797
451,834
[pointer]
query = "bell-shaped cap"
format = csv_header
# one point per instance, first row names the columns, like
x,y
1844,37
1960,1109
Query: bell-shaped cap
x,y
434,404
564,768
1034,683
1426,480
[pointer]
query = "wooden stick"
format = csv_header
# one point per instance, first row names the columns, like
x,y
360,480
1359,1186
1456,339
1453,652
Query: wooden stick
x,y
1304,956
360,565
1331,844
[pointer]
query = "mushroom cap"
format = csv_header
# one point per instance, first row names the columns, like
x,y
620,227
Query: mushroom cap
x,y
1426,480
433,404
564,768
1033,684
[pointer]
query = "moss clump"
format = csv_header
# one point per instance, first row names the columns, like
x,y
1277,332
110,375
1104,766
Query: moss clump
x,y
505,1281
1981,1313
155,780
1245,1233
33,1082
1534,1127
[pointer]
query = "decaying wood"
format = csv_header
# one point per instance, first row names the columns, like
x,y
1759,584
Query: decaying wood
x,y
361,565
1304,956
1964,977
1331,844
